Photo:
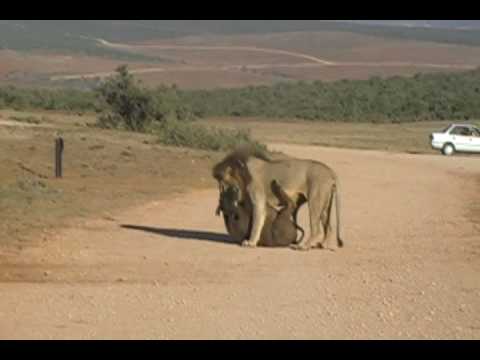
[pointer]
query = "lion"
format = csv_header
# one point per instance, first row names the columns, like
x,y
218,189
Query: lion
x,y
280,228
303,181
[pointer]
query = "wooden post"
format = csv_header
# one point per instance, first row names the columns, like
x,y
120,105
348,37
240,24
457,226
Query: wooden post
x,y
58,157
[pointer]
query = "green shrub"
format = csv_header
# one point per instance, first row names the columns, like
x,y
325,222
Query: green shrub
x,y
127,105
194,135
130,106
423,97
123,103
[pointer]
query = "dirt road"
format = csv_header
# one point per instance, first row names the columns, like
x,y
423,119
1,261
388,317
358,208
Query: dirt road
x,y
410,268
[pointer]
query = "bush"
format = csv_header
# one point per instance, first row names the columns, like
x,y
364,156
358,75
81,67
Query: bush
x,y
124,103
130,106
127,105
46,99
423,97
189,134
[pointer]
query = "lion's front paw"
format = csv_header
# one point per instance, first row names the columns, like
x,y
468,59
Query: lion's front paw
x,y
247,243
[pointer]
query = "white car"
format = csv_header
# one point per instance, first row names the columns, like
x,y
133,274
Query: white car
x,y
457,138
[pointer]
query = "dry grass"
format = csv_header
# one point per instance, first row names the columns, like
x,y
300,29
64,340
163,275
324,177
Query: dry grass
x,y
343,46
103,171
214,57
475,207
15,63
411,137
36,68
206,79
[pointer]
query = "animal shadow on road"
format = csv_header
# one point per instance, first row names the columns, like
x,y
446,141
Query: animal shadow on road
x,y
183,234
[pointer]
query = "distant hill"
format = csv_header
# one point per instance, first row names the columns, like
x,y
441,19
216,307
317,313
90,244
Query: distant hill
x,y
75,36
79,35
446,24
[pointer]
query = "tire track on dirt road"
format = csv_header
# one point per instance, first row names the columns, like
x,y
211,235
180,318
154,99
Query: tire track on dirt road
x,y
312,58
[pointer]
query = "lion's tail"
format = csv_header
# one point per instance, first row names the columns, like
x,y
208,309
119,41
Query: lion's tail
x,y
337,208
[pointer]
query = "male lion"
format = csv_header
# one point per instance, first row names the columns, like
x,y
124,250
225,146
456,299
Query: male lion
x,y
252,172
280,228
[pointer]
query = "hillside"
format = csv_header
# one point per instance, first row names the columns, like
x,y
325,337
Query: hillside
x,y
59,36
205,54
442,24
77,34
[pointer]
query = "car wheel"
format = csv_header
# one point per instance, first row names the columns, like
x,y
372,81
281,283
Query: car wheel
x,y
448,150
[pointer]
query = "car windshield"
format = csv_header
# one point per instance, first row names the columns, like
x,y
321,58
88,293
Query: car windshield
x,y
445,130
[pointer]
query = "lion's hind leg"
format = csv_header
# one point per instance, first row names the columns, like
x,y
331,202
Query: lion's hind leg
x,y
326,219
316,207
306,243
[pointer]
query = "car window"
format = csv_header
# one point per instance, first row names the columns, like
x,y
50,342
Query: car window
x,y
461,130
476,132
446,129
